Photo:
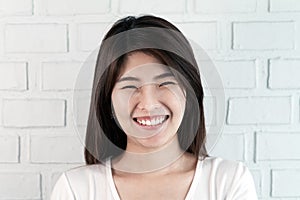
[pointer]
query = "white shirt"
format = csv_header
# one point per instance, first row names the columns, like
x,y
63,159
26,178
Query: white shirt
x,y
214,179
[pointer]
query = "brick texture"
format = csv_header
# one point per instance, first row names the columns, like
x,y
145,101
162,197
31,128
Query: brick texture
x,y
19,38
260,35
20,185
33,113
225,6
259,110
13,76
60,149
48,50
284,74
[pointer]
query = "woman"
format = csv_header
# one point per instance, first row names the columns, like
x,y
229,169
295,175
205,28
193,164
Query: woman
x,y
146,131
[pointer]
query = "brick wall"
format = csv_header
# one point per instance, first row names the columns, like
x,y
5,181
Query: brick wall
x,y
254,45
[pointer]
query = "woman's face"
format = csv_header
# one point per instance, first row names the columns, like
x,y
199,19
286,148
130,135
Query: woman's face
x,y
148,103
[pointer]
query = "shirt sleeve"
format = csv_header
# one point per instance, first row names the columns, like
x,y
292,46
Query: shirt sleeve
x,y
62,189
243,187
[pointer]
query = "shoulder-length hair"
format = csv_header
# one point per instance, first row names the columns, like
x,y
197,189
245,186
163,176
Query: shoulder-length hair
x,y
104,138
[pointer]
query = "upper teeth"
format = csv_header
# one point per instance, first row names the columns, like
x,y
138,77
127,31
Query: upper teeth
x,y
152,122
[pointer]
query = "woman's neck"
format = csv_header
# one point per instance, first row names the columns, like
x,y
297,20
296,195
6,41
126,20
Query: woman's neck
x,y
165,160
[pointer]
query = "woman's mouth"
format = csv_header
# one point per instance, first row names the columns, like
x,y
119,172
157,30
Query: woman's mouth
x,y
151,121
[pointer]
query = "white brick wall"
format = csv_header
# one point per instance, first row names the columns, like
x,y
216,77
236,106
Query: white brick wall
x,y
20,185
225,6
263,35
284,5
13,76
285,183
144,6
76,7
33,113
90,35
35,38
235,147
16,7
59,75
48,149
284,74
259,110
207,38
268,143
9,149
254,45
236,74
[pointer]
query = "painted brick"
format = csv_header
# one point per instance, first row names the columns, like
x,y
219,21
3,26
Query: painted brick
x,y
15,7
284,5
285,183
46,38
235,74
259,110
76,7
230,147
257,178
225,6
56,149
82,106
210,111
267,146
21,185
260,35
59,75
157,6
13,76
207,38
33,113
284,74
9,149
90,35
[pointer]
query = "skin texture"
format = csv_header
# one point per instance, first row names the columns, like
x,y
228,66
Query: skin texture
x,y
148,97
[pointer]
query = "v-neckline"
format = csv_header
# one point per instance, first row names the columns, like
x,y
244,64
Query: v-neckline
x,y
190,192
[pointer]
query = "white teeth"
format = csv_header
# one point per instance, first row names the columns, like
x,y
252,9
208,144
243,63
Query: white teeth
x,y
152,122
160,120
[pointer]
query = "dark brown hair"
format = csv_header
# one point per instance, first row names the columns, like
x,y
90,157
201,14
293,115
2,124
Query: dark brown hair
x,y
104,138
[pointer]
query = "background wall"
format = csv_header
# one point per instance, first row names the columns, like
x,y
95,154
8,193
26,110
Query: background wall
x,y
255,46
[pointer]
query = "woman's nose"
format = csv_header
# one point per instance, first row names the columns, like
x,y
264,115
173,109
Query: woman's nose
x,y
147,97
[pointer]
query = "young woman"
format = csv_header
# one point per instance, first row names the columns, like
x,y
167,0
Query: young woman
x,y
146,131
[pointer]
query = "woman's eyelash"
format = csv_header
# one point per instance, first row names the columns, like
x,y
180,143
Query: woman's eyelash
x,y
129,87
159,85
167,83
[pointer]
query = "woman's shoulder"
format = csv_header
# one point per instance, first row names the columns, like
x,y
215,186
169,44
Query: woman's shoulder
x,y
223,169
80,182
231,178
86,174
220,163
85,170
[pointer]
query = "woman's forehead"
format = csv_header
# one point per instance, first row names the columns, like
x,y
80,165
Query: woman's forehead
x,y
139,64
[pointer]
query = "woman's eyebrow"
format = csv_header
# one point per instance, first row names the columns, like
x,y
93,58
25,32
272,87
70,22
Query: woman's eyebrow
x,y
164,75
128,78
161,76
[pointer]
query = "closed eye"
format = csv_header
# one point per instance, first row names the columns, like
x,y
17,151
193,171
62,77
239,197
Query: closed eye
x,y
129,87
167,83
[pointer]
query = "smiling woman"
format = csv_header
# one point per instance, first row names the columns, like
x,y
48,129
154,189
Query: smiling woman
x,y
146,131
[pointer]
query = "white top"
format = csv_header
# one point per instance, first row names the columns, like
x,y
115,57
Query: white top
x,y
214,179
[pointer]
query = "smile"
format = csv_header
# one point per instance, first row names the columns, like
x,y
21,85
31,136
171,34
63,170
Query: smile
x,y
151,121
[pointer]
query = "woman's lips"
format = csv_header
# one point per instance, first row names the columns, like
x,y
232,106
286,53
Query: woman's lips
x,y
151,121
